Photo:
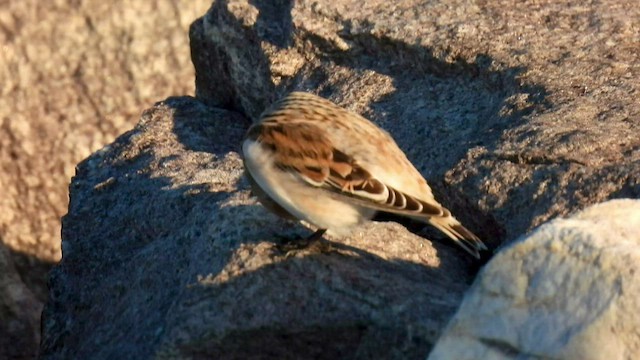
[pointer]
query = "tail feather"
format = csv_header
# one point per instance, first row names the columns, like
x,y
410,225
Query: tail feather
x,y
458,233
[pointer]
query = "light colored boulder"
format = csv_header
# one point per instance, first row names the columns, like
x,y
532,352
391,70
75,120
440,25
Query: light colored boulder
x,y
570,290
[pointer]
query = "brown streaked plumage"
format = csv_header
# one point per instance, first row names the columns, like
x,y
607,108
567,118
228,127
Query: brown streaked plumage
x,y
312,160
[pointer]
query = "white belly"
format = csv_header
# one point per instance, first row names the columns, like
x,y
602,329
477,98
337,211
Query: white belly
x,y
302,200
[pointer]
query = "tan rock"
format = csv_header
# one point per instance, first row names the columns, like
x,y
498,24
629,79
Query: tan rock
x,y
70,74
73,76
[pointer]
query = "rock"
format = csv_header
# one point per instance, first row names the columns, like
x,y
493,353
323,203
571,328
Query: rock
x,y
523,115
166,254
570,290
510,103
19,312
73,76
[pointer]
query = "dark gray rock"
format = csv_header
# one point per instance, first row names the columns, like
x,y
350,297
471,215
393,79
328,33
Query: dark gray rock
x,y
166,254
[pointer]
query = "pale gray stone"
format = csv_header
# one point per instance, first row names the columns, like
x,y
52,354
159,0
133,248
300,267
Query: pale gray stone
x,y
570,290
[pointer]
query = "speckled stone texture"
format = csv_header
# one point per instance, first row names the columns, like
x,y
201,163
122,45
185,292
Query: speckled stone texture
x,y
528,109
73,76
192,267
514,112
568,291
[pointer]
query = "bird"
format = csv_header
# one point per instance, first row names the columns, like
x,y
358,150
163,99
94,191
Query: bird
x,y
308,159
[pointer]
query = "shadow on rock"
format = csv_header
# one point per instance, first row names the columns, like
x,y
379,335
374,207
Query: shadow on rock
x,y
22,294
274,23
163,254
439,109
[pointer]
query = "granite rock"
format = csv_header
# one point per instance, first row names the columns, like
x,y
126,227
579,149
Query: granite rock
x,y
570,290
73,76
514,112
527,110
166,254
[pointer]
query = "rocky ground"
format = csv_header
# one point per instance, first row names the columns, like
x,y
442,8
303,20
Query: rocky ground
x,y
74,75
516,113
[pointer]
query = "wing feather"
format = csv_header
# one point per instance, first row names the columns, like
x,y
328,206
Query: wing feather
x,y
304,150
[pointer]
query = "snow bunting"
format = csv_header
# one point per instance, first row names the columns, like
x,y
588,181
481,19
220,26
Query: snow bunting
x,y
309,159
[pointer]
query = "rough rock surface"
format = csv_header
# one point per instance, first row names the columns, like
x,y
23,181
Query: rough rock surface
x,y
570,290
166,254
73,76
526,110
19,312
512,103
